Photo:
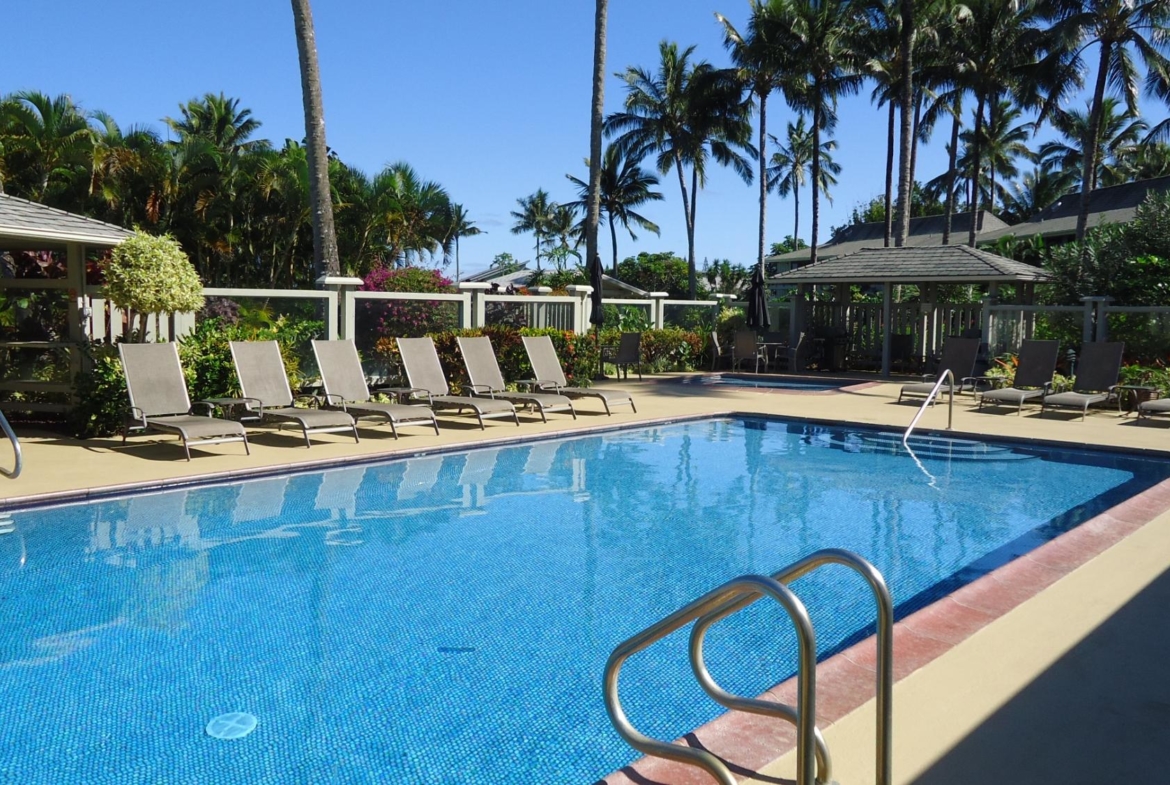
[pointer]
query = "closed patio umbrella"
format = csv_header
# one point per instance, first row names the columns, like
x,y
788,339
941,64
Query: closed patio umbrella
x,y
757,310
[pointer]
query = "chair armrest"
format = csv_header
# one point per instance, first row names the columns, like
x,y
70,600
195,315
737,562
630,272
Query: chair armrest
x,y
252,404
333,399
481,390
208,405
133,413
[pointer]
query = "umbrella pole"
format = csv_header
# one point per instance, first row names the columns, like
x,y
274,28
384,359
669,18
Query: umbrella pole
x,y
600,362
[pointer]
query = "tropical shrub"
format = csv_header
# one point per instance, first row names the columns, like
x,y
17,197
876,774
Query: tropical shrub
x,y
151,275
670,349
408,318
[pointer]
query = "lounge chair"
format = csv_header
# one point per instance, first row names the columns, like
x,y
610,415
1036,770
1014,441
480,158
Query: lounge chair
x,y
346,389
425,374
717,350
265,391
542,355
1098,369
629,352
958,356
487,381
159,400
1160,405
747,347
1033,376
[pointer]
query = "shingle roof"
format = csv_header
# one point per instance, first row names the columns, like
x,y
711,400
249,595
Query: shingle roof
x,y
1115,204
924,231
940,264
26,223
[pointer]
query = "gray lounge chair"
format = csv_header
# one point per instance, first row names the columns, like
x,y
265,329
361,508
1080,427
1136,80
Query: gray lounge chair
x,y
1157,406
425,374
745,347
958,356
159,400
346,389
1098,368
1033,376
265,391
486,380
546,367
629,352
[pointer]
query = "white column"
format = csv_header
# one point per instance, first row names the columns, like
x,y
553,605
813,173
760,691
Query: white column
x,y
659,308
478,292
541,320
339,317
582,306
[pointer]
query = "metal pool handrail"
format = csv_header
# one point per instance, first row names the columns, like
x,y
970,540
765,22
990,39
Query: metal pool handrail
x,y
15,472
942,377
755,585
724,602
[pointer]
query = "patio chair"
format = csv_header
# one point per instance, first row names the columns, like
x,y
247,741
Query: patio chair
x,y
265,391
958,356
1098,369
346,389
546,367
487,381
747,347
159,400
421,362
629,352
717,350
1033,376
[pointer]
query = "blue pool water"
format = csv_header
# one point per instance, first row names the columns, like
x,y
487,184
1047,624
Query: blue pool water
x,y
765,383
446,619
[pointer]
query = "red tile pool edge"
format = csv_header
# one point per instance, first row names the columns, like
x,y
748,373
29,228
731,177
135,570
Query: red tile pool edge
x,y
846,680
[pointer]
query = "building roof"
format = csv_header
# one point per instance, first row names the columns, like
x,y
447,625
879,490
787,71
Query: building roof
x,y
28,225
521,276
939,264
924,231
1116,204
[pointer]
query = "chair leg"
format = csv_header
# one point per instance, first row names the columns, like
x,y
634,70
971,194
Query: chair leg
x,y
247,449
435,422
572,410
305,433
632,406
394,430
186,448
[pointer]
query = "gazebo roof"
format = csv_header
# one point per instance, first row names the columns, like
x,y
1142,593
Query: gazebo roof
x,y
958,264
29,225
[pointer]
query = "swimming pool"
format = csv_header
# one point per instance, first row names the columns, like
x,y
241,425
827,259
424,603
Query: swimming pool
x,y
446,618
767,383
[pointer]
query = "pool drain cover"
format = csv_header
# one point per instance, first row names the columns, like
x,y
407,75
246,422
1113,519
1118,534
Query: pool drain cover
x,y
233,725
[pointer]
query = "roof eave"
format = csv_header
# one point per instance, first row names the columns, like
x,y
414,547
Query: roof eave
x,y
9,233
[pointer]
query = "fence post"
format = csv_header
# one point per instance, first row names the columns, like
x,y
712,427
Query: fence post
x,y
658,310
1103,318
339,313
541,306
1091,310
582,306
987,319
477,291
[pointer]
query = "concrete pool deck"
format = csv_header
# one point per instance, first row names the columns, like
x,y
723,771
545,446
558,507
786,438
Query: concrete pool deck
x,y
1063,682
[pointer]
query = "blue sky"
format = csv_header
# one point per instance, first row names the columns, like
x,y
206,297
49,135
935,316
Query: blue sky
x,y
489,99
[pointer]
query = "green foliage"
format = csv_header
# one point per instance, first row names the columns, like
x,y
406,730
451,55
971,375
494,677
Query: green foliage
x,y
789,244
726,278
101,395
729,322
658,272
152,275
874,211
670,349
626,318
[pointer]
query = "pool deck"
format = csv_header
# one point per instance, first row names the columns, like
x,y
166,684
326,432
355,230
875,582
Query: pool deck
x,y
1051,669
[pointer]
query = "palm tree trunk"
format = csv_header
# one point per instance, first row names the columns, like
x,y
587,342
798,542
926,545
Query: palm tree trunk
x,y
991,158
816,171
796,218
975,153
906,108
889,203
325,257
694,280
953,157
763,174
914,145
682,184
1089,146
613,242
593,207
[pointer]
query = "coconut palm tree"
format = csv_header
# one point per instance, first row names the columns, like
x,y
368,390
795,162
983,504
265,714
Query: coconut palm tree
x,y
460,226
761,66
1119,135
1000,146
820,37
1119,29
535,215
326,260
791,167
1034,192
624,186
596,128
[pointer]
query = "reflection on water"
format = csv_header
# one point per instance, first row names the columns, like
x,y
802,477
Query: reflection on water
x,y
462,605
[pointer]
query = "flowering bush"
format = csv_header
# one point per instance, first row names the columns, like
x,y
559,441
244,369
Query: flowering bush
x,y
410,318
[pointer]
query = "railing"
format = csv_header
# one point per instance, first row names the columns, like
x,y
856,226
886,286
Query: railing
x,y
729,599
942,377
15,472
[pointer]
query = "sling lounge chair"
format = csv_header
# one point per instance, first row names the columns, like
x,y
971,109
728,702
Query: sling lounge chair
x,y
265,391
1155,406
159,400
346,389
958,356
1033,376
629,352
746,348
1098,368
546,367
486,380
425,374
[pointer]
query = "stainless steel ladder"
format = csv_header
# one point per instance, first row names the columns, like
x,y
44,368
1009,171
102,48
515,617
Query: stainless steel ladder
x,y
730,598
15,471
942,377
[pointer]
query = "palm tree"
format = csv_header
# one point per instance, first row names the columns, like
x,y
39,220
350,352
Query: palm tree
x,y
820,37
412,214
48,146
624,186
535,215
1000,145
1037,190
596,128
326,260
684,115
1119,136
792,163
461,226
1118,28
761,66
882,64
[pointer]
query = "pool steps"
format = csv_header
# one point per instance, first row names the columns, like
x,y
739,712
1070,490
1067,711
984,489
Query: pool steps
x,y
934,447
